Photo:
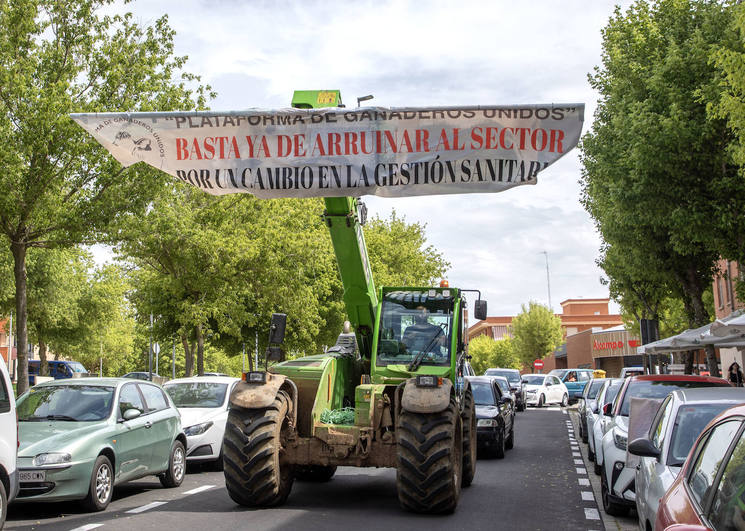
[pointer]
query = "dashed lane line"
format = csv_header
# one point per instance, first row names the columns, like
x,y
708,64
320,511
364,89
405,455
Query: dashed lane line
x,y
587,495
584,482
147,507
198,490
591,513
579,462
86,527
581,471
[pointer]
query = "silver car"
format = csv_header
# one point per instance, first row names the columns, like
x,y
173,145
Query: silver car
x,y
586,403
597,423
679,421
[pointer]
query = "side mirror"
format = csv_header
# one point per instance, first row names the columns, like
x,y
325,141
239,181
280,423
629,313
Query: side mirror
x,y
277,328
549,384
607,410
274,354
505,400
131,414
644,448
479,309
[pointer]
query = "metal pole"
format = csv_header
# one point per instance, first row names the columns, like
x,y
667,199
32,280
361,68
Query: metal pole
x,y
173,371
243,359
150,351
548,282
100,367
256,353
10,348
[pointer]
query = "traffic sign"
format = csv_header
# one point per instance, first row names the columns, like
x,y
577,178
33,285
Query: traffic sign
x,y
538,364
156,348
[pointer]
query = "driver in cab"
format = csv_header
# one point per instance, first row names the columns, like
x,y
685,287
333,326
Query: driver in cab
x,y
423,335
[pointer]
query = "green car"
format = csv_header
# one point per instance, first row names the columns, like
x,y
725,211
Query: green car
x,y
81,437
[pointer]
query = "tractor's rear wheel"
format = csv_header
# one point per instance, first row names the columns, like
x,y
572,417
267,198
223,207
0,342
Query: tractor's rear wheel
x,y
430,460
314,473
469,438
254,475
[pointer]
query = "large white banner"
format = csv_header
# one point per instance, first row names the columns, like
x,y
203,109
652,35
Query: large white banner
x,y
340,152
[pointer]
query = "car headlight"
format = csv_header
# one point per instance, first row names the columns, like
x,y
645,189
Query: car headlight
x,y
52,459
198,429
487,423
531,392
620,440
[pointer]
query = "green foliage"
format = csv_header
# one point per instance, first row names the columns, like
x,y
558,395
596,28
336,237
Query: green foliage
x,y
657,179
536,332
486,353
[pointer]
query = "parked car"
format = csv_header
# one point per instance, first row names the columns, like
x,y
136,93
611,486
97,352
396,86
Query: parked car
x,y
617,483
80,438
138,375
709,492
495,429
542,389
575,380
8,443
585,403
216,374
58,369
679,421
504,386
632,371
203,404
516,384
598,424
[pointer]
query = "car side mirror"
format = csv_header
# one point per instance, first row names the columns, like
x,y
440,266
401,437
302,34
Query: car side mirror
x,y
131,413
607,410
644,448
479,309
505,400
549,384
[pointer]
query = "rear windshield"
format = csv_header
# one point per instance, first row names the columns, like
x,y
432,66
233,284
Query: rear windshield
x,y
482,394
197,394
512,376
594,388
651,389
689,424
534,379
612,392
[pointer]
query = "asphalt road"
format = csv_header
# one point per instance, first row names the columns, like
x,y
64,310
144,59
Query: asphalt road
x,y
540,485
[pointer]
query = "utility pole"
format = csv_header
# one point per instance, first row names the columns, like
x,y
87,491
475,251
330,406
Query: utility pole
x,y
173,365
256,353
548,282
150,352
243,359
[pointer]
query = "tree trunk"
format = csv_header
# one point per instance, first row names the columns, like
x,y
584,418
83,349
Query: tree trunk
x,y
695,290
200,351
43,365
188,357
711,361
688,361
19,271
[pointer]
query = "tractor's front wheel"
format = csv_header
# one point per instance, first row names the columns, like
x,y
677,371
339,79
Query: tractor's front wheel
x,y
430,460
469,438
254,475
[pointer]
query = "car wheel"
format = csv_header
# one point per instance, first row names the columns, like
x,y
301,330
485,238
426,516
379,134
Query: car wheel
x,y
541,400
510,443
564,400
613,509
3,504
500,447
101,485
590,455
176,466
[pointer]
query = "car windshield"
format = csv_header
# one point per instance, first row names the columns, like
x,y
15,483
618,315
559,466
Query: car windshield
x,y
74,403
689,424
415,325
660,389
594,388
559,373
197,394
611,393
76,366
512,376
534,379
482,394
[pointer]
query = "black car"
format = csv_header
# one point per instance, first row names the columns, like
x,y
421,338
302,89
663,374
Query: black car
x,y
516,384
495,431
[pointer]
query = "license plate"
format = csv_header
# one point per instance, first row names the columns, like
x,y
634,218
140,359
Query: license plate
x,y
28,476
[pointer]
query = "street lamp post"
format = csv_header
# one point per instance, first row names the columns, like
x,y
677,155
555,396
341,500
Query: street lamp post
x,y
548,281
364,98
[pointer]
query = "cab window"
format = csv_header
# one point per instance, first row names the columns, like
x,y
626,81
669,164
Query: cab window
x,y
708,461
4,396
154,398
129,398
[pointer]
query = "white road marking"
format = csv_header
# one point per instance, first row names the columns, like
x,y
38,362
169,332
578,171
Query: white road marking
x,y
587,495
579,462
147,507
576,454
584,482
564,411
198,490
581,471
592,514
86,527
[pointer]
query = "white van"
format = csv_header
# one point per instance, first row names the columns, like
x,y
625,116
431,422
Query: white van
x,y
8,443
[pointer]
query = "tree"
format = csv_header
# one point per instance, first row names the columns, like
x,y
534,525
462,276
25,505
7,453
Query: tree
x,y
536,332
486,353
59,186
657,173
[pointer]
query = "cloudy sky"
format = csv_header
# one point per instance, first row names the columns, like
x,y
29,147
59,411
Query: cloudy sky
x,y
428,53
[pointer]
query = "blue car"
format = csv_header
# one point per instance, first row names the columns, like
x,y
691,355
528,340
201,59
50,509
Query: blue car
x,y
58,369
575,381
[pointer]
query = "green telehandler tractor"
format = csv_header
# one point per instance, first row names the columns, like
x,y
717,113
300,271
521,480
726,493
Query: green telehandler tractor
x,y
400,372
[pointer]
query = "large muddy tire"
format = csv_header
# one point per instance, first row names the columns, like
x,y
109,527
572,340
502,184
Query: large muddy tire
x,y
430,460
469,438
314,473
254,475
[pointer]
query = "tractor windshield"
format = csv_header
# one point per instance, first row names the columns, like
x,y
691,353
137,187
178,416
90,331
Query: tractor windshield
x,y
415,324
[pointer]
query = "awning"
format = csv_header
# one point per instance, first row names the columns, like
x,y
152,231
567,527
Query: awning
x,y
727,332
